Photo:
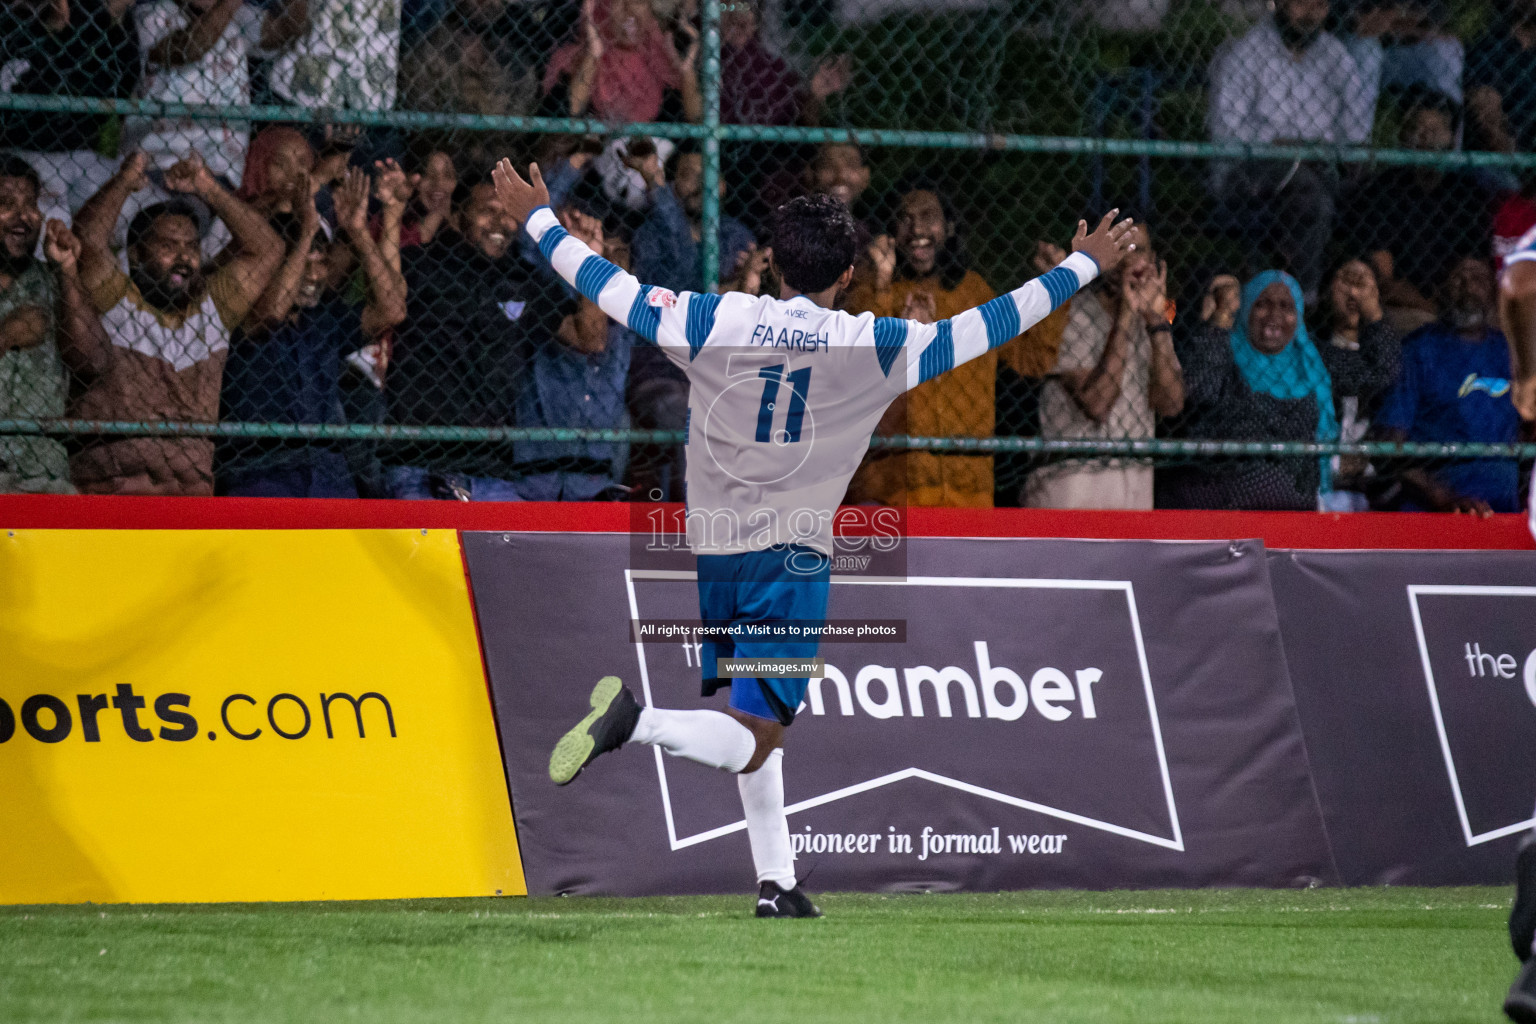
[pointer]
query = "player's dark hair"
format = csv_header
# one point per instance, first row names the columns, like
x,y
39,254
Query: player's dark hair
x,y
814,242
144,221
13,166
952,261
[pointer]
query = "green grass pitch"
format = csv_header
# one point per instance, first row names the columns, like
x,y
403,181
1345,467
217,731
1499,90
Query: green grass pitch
x,y
1342,956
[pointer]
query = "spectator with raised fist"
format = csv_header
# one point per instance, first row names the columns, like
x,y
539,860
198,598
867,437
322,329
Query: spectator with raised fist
x,y
167,326
667,246
758,86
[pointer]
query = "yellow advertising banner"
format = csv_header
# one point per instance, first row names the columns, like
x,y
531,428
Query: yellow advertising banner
x,y
245,715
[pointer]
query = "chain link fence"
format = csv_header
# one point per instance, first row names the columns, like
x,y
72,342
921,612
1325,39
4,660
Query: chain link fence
x,y
279,267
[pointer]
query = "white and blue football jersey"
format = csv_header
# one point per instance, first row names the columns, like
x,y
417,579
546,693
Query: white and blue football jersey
x,y
784,394
1525,249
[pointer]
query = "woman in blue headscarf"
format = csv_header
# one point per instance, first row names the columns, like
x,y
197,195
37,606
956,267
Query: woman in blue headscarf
x,y
1253,374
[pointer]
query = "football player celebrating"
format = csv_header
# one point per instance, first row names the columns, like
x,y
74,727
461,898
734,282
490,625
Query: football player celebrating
x,y
784,394
1517,312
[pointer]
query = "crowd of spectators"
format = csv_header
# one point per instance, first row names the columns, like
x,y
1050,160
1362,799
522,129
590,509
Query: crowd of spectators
x,y
223,270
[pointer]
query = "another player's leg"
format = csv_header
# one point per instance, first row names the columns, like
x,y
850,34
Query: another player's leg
x,y
1517,315
1520,1004
1522,917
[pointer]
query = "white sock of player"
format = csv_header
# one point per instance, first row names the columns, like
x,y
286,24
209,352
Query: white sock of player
x,y
708,737
762,798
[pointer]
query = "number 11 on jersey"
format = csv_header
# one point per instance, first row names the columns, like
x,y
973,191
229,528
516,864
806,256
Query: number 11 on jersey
x,y
799,382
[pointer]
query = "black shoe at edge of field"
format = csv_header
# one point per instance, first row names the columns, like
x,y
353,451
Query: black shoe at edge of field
x,y
1522,916
608,726
1520,1004
775,901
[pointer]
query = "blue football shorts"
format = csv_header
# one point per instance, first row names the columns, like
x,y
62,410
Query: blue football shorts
x,y
787,582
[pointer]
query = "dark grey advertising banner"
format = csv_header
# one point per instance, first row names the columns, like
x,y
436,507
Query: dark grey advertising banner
x,y
1415,677
1091,714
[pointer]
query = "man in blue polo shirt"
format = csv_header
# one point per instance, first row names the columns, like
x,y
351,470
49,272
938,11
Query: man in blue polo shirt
x,y
1455,387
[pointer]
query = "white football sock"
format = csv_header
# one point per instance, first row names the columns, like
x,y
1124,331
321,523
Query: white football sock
x,y
762,798
707,737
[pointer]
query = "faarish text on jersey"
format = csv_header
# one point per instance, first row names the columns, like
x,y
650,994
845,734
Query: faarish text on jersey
x,y
796,340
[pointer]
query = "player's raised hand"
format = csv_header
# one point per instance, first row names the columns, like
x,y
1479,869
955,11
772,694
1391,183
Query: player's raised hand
x,y
1108,243
520,197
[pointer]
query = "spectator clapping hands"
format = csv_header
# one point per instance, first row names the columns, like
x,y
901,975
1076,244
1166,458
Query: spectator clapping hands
x,y
351,200
882,256
392,187
1146,291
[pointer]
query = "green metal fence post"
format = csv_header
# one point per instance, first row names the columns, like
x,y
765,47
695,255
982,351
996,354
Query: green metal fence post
x,y
709,262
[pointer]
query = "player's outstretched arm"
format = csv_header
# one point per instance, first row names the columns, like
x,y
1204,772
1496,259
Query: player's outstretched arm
x,y
616,292
937,348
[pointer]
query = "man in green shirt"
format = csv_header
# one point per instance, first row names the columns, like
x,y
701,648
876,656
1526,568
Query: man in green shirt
x,y
33,384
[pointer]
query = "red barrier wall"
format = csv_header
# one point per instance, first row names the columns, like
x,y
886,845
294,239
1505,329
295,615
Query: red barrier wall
x,y
1276,529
